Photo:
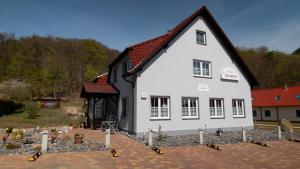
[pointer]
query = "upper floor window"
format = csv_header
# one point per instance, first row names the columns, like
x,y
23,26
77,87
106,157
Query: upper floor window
x,y
202,68
189,108
216,108
126,66
238,108
160,108
115,74
201,37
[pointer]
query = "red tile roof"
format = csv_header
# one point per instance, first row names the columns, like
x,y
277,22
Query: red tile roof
x,y
266,97
101,79
99,86
143,51
139,54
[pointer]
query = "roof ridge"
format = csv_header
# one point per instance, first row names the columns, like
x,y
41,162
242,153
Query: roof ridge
x,y
103,74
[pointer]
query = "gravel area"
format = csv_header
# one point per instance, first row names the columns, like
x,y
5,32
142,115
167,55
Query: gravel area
x,y
228,137
62,144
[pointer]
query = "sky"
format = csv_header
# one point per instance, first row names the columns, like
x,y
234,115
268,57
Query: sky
x,y
121,23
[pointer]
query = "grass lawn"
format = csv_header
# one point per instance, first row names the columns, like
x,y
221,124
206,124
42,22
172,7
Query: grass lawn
x,y
46,117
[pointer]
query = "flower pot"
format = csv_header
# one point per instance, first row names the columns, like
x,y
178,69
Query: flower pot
x,y
78,139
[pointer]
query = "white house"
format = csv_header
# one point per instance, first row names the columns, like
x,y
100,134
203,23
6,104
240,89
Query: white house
x,y
276,104
189,78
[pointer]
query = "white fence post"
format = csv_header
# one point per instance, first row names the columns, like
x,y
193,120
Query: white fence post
x,y
44,141
107,138
201,137
244,134
150,141
279,132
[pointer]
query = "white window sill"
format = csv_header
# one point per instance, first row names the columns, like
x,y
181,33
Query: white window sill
x,y
195,75
239,116
190,117
160,118
218,117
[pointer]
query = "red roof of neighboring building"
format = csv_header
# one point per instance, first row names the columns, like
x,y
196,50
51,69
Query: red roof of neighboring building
x,y
140,53
267,97
99,86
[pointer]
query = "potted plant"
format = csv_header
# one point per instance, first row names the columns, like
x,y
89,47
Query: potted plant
x,y
8,130
78,138
18,135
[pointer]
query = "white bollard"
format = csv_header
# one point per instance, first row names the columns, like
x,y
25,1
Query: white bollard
x,y
244,134
150,141
279,132
107,138
201,137
44,141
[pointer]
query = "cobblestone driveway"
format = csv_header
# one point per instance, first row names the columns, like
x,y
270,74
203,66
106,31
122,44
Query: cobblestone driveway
x,y
135,155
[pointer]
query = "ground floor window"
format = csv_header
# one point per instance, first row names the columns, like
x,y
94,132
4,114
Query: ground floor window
x,y
298,113
238,108
160,108
189,108
267,113
216,108
254,113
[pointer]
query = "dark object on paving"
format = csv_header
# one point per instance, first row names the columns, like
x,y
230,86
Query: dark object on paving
x,y
114,153
158,150
35,156
214,146
259,143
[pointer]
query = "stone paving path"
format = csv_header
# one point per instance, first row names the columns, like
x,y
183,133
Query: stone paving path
x,y
281,154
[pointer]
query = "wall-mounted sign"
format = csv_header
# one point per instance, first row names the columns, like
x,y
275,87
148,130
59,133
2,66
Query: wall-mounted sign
x,y
144,96
203,87
229,74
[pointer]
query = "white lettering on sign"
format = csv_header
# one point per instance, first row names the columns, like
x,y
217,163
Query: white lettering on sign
x,y
203,87
229,74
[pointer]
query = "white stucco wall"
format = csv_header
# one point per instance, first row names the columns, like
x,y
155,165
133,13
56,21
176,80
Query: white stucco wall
x,y
126,91
170,73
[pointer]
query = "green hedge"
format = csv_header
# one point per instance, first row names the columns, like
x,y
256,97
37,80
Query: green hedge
x,y
8,107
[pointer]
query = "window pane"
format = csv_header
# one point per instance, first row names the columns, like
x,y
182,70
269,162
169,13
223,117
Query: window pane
x,y
164,107
212,107
200,37
205,68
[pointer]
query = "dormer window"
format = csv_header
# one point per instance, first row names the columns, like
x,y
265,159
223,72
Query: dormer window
x,y
201,37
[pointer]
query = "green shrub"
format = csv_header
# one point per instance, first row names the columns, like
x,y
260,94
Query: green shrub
x,y
31,108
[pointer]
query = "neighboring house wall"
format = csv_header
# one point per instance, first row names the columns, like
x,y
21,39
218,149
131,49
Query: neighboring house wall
x,y
126,91
288,113
170,73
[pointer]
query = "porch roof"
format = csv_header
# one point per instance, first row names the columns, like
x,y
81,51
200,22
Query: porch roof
x,y
97,89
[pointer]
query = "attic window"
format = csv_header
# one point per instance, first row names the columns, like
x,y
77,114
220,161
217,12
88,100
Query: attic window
x,y
201,37
277,97
298,96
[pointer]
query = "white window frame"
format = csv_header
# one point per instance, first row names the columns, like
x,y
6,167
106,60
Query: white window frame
x,y
189,108
199,32
213,111
201,69
159,108
238,111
